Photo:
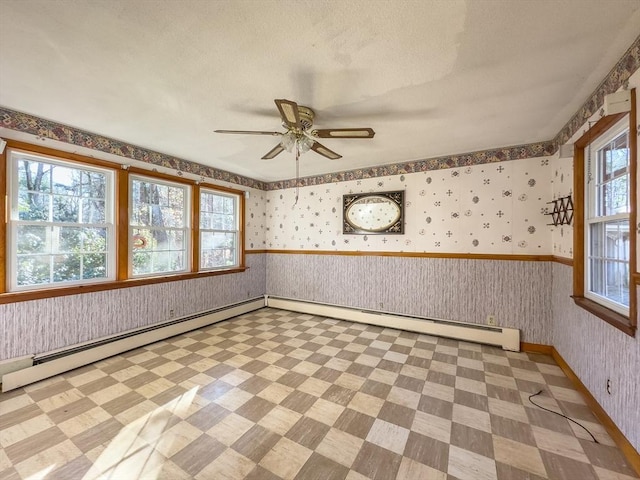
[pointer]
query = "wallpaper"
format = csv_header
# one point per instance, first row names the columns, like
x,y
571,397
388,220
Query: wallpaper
x,y
493,208
596,351
517,292
562,183
42,325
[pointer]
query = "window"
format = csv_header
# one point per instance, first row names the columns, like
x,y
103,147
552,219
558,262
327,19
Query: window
x,y
82,224
159,226
60,223
607,212
219,230
605,203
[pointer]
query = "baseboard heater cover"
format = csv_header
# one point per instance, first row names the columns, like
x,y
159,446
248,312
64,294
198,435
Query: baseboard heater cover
x,y
58,361
507,338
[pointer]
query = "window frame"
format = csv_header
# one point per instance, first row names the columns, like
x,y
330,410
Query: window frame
x,y
14,223
624,322
120,209
235,231
186,228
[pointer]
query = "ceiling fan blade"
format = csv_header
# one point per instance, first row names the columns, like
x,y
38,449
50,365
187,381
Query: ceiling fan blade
x,y
247,132
273,152
344,133
324,151
289,112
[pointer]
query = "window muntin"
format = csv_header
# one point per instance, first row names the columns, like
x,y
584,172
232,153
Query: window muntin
x,y
159,227
607,236
60,223
219,230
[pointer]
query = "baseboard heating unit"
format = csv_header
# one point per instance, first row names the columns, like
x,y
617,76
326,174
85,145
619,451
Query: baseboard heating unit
x,y
507,338
30,369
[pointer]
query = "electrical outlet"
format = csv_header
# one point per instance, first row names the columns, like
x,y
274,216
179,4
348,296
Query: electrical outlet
x,y
491,320
609,386
171,313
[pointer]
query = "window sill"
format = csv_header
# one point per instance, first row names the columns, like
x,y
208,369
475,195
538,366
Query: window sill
x,y
615,319
14,297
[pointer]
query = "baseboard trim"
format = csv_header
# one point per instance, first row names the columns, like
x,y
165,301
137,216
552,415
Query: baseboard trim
x,y
536,348
629,452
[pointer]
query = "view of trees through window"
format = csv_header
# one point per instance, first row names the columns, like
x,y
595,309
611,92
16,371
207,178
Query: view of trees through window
x,y
218,230
609,239
159,224
62,223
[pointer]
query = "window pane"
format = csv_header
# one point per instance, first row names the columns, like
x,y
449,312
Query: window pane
x,y
33,239
66,196
609,260
33,206
33,270
217,249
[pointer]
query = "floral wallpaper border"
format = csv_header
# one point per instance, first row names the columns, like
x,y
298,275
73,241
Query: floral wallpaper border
x,y
617,77
23,122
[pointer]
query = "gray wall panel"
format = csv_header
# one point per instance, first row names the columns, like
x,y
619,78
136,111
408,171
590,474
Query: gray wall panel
x,y
596,351
517,293
42,325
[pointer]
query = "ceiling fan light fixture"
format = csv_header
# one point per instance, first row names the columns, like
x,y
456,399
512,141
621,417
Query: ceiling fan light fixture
x,y
292,141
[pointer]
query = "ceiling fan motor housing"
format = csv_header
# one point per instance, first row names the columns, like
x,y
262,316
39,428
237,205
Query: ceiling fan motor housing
x,y
306,117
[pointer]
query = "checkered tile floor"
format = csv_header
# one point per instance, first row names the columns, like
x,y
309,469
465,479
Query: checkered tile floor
x,y
281,395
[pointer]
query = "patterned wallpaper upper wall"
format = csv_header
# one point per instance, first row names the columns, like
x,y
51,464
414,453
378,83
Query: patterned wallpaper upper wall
x,y
496,208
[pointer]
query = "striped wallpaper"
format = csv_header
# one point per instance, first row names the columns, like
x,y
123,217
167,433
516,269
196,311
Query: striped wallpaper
x,y
596,351
518,293
42,325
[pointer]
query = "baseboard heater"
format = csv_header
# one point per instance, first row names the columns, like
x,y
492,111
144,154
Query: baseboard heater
x,y
507,338
34,368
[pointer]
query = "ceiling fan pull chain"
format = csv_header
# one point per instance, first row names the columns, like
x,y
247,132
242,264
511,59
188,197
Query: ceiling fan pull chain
x,y
297,175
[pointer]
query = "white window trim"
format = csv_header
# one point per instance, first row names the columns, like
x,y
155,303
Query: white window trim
x,y
186,228
236,231
590,218
13,221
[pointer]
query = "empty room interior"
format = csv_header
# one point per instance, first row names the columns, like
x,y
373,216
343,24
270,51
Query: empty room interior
x,y
278,239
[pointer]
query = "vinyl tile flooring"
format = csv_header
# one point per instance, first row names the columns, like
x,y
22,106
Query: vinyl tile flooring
x,y
275,395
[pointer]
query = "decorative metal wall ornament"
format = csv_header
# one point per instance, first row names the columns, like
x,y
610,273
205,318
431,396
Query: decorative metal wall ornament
x,y
562,213
373,213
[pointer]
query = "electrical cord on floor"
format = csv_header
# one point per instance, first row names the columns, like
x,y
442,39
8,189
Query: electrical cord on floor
x,y
562,415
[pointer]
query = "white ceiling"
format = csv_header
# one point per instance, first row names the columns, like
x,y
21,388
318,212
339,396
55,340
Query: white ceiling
x,y
431,77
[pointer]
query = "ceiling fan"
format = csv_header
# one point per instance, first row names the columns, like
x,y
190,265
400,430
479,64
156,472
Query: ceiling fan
x,y
299,136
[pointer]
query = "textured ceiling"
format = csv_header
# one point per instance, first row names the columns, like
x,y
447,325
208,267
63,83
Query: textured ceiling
x,y
430,77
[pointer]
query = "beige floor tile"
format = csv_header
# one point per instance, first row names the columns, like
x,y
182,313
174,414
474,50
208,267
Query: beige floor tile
x,y
286,458
389,436
83,421
230,465
472,386
566,394
176,438
350,381
604,474
559,444
466,465
234,399
367,404
528,375
314,386
280,419
432,426
340,446
501,380
509,410
60,400
23,430
167,368
384,376
412,470
86,377
5,463
56,455
230,429
325,411
437,390
404,397
471,418
518,455
414,372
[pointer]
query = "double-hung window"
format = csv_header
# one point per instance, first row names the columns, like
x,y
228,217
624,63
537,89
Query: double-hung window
x,y
159,224
219,229
60,222
607,211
